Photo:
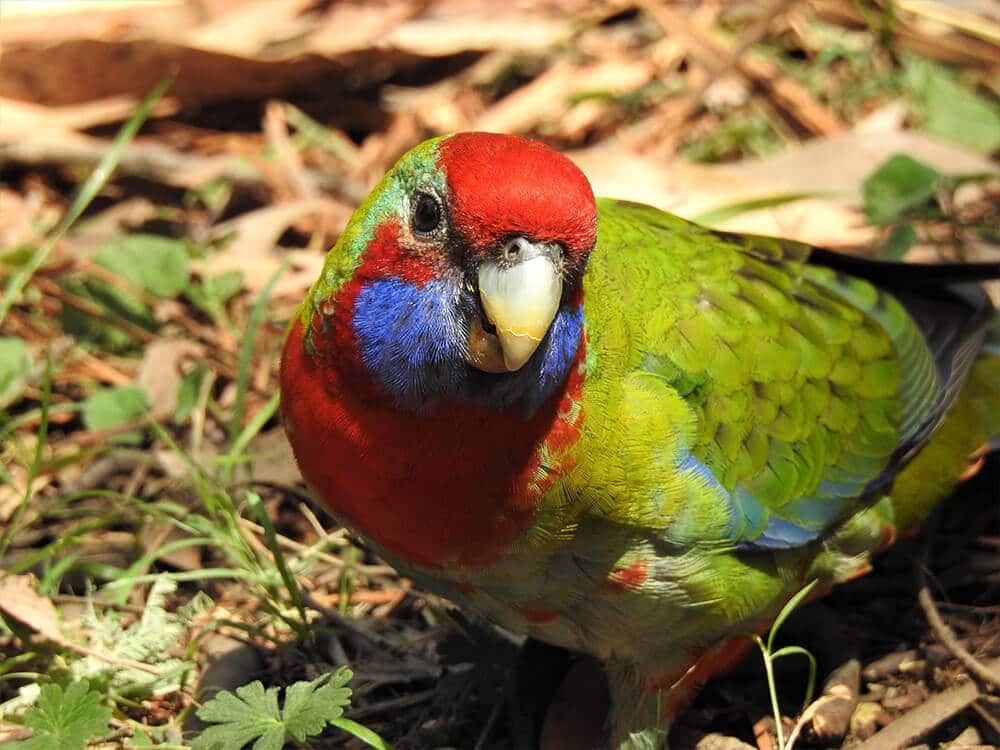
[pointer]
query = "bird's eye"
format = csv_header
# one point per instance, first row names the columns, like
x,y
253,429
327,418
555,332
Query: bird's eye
x,y
426,216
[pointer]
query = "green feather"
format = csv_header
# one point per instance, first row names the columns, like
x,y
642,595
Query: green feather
x,y
792,375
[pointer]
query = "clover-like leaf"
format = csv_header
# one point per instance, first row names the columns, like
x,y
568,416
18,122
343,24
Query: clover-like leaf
x,y
252,714
65,719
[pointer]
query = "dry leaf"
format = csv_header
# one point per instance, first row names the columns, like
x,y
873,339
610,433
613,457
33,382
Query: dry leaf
x,y
160,372
19,600
154,535
81,70
841,163
354,26
55,20
272,458
257,232
249,29
550,93
837,165
449,35
25,120
91,233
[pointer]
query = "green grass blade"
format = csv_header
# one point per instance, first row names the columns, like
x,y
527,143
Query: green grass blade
x,y
146,560
724,213
787,610
14,526
811,684
204,574
250,431
88,191
362,732
246,349
271,538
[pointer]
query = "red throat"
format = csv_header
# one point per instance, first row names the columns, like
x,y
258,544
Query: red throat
x,y
450,488
504,185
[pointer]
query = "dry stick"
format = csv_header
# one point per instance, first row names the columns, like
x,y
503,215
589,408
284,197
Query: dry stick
x,y
941,629
491,721
161,164
393,704
91,308
303,549
713,54
986,716
349,625
104,468
290,168
97,603
109,658
947,637
195,330
918,721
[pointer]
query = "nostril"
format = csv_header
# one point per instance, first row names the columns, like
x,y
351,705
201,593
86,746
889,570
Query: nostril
x,y
512,249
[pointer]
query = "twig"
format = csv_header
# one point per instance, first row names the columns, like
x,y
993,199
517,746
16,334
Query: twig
x,y
92,308
916,722
941,629
488,726
209,335
99,437
713,54
986,716
109,658
365,596
345,623
290,174
105,467
303,549
393,704
162,164
102,603
947,637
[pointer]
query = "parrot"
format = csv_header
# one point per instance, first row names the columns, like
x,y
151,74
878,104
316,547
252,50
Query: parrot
x,y
615,431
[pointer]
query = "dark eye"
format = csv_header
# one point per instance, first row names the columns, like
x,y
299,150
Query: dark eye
x,y
426,214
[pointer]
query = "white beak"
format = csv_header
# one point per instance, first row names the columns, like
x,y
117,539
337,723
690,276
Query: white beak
x,y
521,300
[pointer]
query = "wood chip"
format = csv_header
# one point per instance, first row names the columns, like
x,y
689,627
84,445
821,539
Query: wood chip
x,y
920,720
831,716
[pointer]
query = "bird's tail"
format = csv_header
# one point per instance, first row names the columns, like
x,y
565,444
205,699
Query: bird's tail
x,y
955,452
971,429
984,383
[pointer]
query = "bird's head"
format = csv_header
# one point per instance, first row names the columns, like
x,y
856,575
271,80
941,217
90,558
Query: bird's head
x,y
460,276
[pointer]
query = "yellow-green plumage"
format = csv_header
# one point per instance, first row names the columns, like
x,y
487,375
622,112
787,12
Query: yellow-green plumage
x,y
783,379
710,421
743,417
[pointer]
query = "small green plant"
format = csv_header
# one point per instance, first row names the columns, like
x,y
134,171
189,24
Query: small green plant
x,y
770,656
65,719
902,191
88,191
739,135
252,714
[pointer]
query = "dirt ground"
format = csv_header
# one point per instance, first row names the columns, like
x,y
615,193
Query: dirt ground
x,y
155,537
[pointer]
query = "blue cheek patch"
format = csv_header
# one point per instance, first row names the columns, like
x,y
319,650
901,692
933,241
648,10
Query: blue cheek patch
x,y
412,340
560,349
409,337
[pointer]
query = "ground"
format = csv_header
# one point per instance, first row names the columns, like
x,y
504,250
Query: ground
x,y
155,538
